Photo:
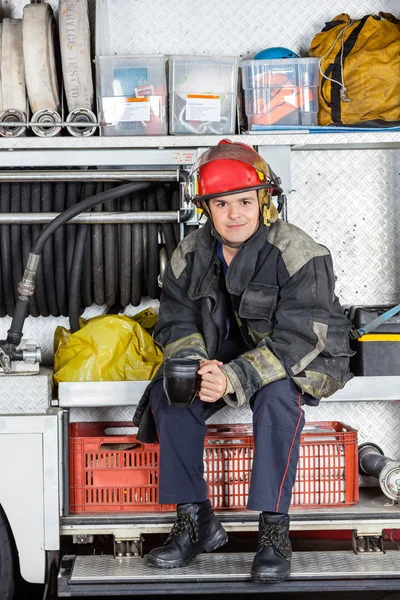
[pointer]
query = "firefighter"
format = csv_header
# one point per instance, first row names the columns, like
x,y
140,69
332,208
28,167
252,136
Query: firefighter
x,y
253,298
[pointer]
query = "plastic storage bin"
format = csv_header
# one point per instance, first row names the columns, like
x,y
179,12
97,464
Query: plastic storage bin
x,y
377,353
280,92
131,95
327,473
203,94
114,473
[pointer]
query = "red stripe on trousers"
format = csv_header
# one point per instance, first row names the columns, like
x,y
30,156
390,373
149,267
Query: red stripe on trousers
x,y
288,458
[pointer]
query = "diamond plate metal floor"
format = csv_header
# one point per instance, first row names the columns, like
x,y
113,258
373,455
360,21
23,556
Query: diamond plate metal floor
x,y
235,567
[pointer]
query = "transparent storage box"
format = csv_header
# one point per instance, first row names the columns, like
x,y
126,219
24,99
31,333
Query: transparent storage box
x,y
132,95
203,94
280,92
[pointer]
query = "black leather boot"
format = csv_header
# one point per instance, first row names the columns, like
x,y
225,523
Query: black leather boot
x,y
195,530
274,551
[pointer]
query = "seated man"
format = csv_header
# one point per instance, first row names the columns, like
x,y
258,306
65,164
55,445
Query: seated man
x,y
252,297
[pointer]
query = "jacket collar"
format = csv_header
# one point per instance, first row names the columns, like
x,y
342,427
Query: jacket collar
x,y
241,270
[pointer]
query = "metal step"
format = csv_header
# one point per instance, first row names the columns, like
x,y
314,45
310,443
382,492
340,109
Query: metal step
x,y
312,571
373,513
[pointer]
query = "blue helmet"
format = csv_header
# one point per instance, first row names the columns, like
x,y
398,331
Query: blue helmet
x,y
275,53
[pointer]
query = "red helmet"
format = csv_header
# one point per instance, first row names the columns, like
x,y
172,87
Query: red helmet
x,y
232,167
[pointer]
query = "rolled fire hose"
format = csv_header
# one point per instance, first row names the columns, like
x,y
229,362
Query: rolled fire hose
x,y
13,92
74,34
38,29
1,93
373,462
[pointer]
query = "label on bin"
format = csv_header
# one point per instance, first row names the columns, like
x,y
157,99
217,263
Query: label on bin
x,y
126,109
203,107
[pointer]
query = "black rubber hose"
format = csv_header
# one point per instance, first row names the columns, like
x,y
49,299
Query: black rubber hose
x,y
3,312
36,205
5,250
176,205
60,190
125,255
145,251
15,332
137,254
83,206
48,259
16,248
89,190
167,229
110,255
73,197
152,265
26,238
97,254
2,305
189,228
74,304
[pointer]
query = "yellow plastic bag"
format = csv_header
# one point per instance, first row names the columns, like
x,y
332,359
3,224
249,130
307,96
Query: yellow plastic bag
x,y
107,348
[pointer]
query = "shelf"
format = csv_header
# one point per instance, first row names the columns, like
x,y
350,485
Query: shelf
x,y
298,141
128,393
370,515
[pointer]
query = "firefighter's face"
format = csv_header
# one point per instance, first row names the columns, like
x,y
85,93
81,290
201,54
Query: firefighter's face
x,y
236,217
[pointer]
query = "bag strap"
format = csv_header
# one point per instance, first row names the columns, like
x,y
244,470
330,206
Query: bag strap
x,y
338,71
324,79
357,333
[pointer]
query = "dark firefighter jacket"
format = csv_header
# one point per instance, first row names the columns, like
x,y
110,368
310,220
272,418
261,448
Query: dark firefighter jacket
x,y
281,284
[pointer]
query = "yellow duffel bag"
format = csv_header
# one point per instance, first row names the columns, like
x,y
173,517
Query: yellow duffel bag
x,y
359,71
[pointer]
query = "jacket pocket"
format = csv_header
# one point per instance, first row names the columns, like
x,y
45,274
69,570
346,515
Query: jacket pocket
x,y
337,344
258,301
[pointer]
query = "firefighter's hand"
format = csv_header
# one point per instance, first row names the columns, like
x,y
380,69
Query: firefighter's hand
x,y
213,380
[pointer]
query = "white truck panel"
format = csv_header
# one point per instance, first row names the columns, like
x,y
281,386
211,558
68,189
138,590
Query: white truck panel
x,y
29,488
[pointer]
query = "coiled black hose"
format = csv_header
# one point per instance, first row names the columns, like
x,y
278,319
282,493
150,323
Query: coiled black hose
x,y
137,253
5,251
125,254
60,270
120,256
97,253
48,258
36,206
152,259
26,237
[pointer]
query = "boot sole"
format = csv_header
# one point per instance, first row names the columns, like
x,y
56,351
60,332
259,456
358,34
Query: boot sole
x,y
218,540
266,579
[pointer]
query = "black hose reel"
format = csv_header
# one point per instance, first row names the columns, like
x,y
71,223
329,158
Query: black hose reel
x,y
51,283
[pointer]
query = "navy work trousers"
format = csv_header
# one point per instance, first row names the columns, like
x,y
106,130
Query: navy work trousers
x,y
278,420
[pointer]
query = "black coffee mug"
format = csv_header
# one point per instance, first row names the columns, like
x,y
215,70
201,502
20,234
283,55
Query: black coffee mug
x,y
181,381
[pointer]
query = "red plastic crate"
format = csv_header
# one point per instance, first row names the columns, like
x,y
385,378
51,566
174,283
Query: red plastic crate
x,y
112,473
327,473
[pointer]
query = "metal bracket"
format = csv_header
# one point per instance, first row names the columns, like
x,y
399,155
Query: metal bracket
x,y
279,158
367,543
128,547
82,539
5,362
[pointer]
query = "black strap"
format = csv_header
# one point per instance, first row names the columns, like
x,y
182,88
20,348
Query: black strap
x,y
336,72
324,79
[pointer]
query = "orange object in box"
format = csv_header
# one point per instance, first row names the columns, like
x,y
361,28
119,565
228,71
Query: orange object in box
x,y
117,473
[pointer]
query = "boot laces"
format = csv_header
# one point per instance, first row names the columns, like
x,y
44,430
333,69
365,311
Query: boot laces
x,y
183,523
272,535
